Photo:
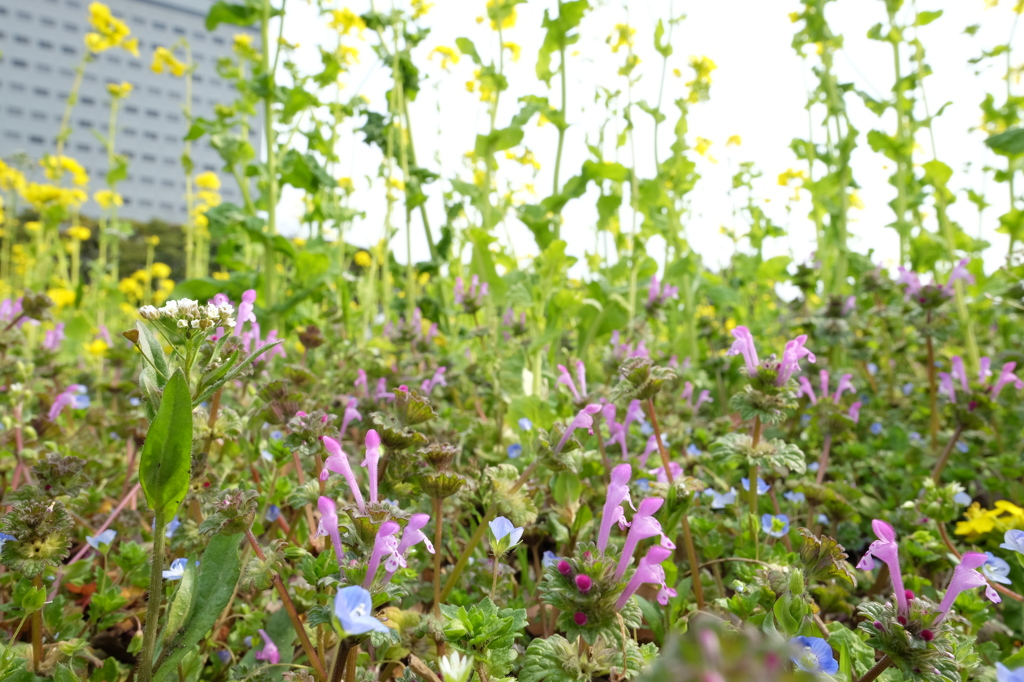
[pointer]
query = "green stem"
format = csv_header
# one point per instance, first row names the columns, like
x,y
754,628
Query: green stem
x,y
882,664
37,629
941,464
154,599
268,121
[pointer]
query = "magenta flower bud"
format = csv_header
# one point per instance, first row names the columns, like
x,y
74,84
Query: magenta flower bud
x,y
927,635
901,620
587,555
371,461
878,625
910,594
329,525
564,568
300,413
584,583
579,618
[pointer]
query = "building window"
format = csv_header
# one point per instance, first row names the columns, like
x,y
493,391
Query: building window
x,y
68,49
11,134
88,101
166,205
84,148
146,180
149,158
85,124
45,44
159,25
24,16
149,135
19,87
217,40
21,40
38,115
19,63
14,111
146,203
43,68
36,139
47,21
130,132
180,31
131,109
41,92
152,113
70,27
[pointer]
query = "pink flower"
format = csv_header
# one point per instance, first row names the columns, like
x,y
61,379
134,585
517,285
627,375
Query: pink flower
x,y
854,413
245,313
351,414
744,345
673,467
54,337
966,577
269,653
649,570
337,461
583,420
886,550
1006,376
791,356
384,544
618,491
360,382
643,526
652,446
329,525
703,397
910,280
566,380
959,272
372,460
428,385
411,536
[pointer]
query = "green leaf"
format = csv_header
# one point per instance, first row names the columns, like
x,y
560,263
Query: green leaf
x,y
1009,143
229,13
498,141
153,350
925,18
467,48
938,172
664,49
567,488
182,603
167,454
219,569
64,674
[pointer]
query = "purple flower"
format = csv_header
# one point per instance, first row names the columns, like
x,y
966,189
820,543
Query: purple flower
x,y
73,396
967,577
351,414
618,491
703,397
814,655
660,476
361,383
329,525
434,381
269,652
385,543
652,446
959,272
353,606
744,344
1006,376
245,313
337,462
854,412
371,461
54,337
887,551
412,535
791,354
659,294
775,526
910,280
643,526
565,379
996,569
583,420
471,299
649,570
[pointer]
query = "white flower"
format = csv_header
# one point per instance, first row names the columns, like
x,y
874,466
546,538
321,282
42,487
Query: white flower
x,y
148,312
455,667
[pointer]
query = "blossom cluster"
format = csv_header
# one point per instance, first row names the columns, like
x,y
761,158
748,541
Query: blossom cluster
x,y
188,314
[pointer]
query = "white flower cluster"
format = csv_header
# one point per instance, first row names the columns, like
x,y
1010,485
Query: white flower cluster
x,y
189,314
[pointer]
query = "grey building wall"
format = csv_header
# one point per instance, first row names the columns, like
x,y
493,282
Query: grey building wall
x,y
42,42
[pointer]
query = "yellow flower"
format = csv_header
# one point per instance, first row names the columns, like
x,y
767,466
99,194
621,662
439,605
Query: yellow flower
x,y
979,521
33,226
164,60
527,158
152,240
161,270
702,146
61,296
110,31
515,49
420,8
501,12
855,200
794,17
622,35
97,347
299,241
677,73
41,196
344,20
243,40
363,259
11,178
700,86
221,276
118,91
448,56
345,184
791,174
208,180
107,198
734,141
54,168
79,233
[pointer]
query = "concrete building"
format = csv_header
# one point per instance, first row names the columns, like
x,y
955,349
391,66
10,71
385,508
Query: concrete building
x,y
42,42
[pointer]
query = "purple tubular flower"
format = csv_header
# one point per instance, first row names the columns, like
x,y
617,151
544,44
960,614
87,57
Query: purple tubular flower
x,y
361,382
823,378
618,491
329,525
887,551
791,356
854,413
652,446
959,272
910,280
371,461
351,414
634,413
687,393
616,431
744,344
54,337
583,420
966,577
958,372
384,544
649,570
565,379
654,291
269,653
984,363
1006,376
643,526
337,461
807,390
411,536
845,385
947,386
245,313
581,377
67,398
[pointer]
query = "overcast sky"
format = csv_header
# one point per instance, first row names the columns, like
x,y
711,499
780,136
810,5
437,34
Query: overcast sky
x,y
758,93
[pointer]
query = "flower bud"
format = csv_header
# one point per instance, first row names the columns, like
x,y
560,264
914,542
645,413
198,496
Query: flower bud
x,y
579,618
584,583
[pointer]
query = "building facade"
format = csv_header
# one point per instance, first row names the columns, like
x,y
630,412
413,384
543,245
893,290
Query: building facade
x,y
42,43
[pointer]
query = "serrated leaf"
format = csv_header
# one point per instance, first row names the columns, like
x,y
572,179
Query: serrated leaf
x,y
167,453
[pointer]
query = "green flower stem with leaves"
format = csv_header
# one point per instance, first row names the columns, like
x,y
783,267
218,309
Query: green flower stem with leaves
x,y
156,593
268,68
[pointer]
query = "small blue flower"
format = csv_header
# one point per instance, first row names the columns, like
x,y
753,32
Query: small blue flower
x,y
805,419
504,535
721,500
548,559
80,402
104,538
134,402
1004,674
996,570
762,487
515,451
276,435
962,498
795,497
962,446
813,466
908,388
876,428
914,436
177,569
872,369
693,451
273,512
814,655
1013,540
525,424
224,655
822,519
776,526
646,429
354,608
267,455
172,527
643,484
4,537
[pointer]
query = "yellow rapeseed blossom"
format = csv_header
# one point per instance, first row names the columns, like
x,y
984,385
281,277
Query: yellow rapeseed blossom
x,y
242,40
702,146
621,36
790,174
855,200
363,259
109,32
11,178
153,240
61,296
48,195
500,11
161,270
97,347
119,91
208,180
164,60
448,56
514,49
54,167
33,226
79,233
420,8
700,86
345,184
344,20
107,198
526,158
221,276
734,141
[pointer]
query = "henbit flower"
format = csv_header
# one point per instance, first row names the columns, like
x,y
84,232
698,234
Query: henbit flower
x,y
351,414
245,313
703,397
643,526
996,569
104,538
618,491
775,526
337,461
176,570
910,280
854,412
353,606
269,653
673,467
504,535
565,379
744,344
791,356
616,431
584,420
54,337
437,379
845,386
412,535
385,543
649,570
634,413
329,525
966,577
651,447
74,396
959,272
361,382
1004,674
1006,376
382,392
886,550
807,390
1013,540
814,655
371,461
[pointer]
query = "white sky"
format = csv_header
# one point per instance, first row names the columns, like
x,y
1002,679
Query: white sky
x,y
758,92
